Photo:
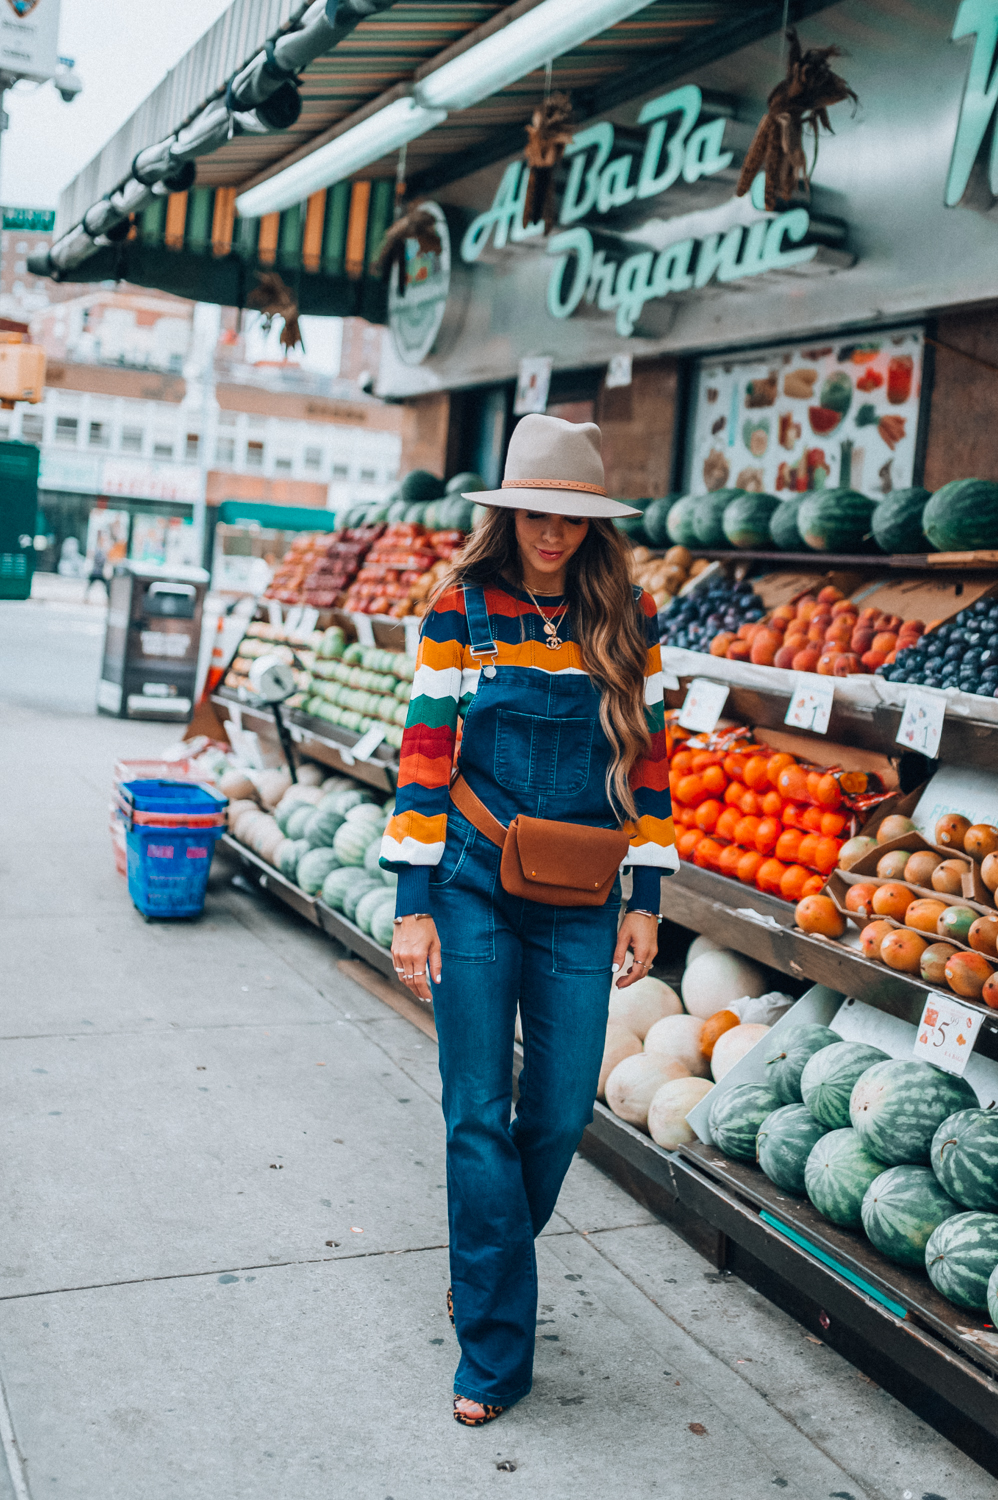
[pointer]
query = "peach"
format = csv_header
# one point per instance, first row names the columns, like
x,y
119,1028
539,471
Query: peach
x,y
784,658
806,660
721,642
847,664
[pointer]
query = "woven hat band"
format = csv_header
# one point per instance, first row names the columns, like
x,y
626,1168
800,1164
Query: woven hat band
x,y
553,484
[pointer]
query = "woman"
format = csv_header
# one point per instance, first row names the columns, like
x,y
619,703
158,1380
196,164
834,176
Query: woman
x,y
538,641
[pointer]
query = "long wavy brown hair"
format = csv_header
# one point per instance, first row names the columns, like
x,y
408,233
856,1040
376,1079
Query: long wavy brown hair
x,y
606,624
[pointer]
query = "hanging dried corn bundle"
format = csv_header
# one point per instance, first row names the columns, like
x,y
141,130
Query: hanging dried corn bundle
x,y
801,100
276,300
548,133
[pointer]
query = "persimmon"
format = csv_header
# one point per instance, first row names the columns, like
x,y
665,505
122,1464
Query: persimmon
x,y
793,881
892,900
721,642
756,771
714,780
708,813
859,898
738,651
727,864
819,914
791,782
766,835
748,865
813,885
750,803
769,875
745,832
833,824
727,823
687,842
872,936
772,804
902,949
806,660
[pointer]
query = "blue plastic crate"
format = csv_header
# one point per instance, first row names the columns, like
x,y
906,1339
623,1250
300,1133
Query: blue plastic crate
x,y
168,869
176,798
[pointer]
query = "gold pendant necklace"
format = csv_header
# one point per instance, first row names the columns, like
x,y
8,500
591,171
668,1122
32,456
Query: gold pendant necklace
x,y
553,640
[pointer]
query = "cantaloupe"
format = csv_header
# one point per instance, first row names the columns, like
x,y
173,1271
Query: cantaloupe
x,y
643,1003
668,1110
236,808
714,980
620,1043
678,1039
237,786
271,785
634,1083
701,945
733,1045
309,774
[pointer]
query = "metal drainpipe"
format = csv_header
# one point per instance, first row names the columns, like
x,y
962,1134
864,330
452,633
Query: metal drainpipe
x,y
201,406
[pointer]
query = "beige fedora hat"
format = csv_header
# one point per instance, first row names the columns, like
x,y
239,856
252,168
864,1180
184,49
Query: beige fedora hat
x,y
555,466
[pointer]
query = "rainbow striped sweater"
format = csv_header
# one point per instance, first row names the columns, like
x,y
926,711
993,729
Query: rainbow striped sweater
x,y
445,681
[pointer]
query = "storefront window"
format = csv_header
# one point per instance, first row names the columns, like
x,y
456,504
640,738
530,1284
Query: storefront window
x,y
131,439
254,455
66,429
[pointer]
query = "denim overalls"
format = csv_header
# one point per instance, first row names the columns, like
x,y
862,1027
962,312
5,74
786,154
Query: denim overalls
x,y
532,744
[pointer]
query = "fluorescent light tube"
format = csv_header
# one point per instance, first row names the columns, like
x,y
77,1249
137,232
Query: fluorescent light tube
x,y
401,121
527,43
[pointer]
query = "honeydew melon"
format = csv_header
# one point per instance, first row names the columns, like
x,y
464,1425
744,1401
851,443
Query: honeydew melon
x,y
642,1004
634,1083
620,1042
667,1112
713,981
678,1039
732,1046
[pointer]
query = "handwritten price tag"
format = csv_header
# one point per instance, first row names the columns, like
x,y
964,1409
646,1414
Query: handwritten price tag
x,y
811,702
946,1033
703,704
921,724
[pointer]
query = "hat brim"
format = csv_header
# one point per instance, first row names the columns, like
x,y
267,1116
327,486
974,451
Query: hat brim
x,y
554,502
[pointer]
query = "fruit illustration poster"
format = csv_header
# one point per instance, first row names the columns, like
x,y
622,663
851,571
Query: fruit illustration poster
x,y
827,414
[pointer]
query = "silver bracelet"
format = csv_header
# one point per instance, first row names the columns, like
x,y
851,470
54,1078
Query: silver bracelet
x,y
639,911
417,914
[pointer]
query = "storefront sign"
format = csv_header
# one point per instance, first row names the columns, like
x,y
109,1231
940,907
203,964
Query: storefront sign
x,y
146,481
416,314
975,128
600,183
29,38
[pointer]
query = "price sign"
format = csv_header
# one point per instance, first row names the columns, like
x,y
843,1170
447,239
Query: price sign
x,y
365,630
921,724
703,705
275,613
366,745
946,1033
411,635
309,619
811,702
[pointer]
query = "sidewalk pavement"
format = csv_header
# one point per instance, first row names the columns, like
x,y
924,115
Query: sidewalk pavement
x,y
161,1339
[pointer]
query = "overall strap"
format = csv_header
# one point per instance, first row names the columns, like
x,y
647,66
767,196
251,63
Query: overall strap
x,y
479,629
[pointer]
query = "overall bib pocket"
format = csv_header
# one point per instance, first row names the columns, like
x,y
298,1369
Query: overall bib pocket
x,y
541,755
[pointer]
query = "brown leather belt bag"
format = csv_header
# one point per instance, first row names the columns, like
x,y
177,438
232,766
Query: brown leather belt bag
x,y
557,864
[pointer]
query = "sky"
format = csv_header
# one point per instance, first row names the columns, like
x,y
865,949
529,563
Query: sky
x,y
121,49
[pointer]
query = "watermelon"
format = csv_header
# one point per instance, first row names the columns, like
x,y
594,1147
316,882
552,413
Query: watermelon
x,y
466,481
382,925
836,521
396,511
964,1157
898,1106
897,521
455,513
960,1257
342,801
993,1296
656,519
320,829
351,900
431,516
837,1175
294,827
633,527
414,513
292,851
900,1210
783,530
336,885
736,1115
313,868
785,1057
420,486
679,522
785,1140
962,516
708,517
351,841
829,1077
746,520
368,904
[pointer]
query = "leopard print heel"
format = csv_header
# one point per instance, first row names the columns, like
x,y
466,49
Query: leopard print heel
x,y
490,1413
450,1306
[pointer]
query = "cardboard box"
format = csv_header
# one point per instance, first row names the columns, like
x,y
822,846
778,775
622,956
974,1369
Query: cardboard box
x,y
924,599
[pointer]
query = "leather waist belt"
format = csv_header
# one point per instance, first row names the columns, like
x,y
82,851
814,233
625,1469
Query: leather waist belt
x,y
556,864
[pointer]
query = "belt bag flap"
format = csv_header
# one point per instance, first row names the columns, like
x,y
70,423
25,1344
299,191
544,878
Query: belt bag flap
x,y
569,855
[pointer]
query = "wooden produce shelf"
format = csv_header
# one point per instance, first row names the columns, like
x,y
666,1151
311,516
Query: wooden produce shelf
x,y
316,740
713,904
272,880
969,563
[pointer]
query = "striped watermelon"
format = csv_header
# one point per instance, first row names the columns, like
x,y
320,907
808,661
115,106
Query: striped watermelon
x,y
736,1115
993,1296
783,526
382,924
960,1257
897,521
352,839
829,1077
785,1141
362,884
745,522
836,520
962,516
787,1054
313,868
964,1157
679,522
708,517
837,1174
337,884
898,1106
900,1210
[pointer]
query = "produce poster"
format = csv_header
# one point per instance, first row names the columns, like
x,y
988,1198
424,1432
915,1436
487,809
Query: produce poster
x,y
829,414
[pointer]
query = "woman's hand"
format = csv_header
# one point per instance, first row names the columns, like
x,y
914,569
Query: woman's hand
x,y
639,933
416,951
